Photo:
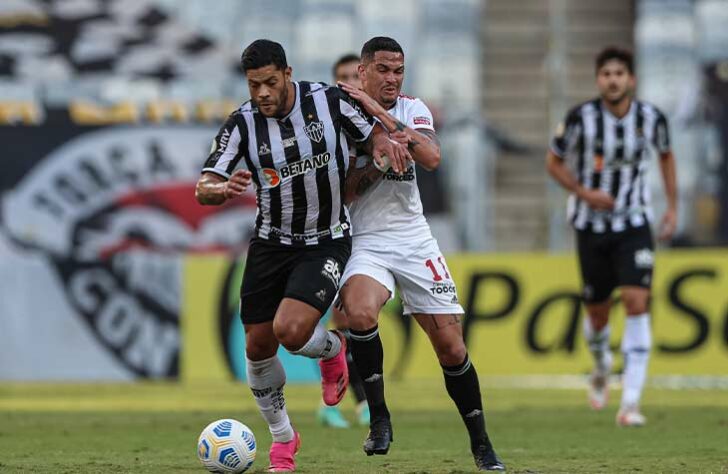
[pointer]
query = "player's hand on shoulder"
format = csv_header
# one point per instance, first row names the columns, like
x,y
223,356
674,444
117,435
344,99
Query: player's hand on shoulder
x,y
237,184
597,199
370,105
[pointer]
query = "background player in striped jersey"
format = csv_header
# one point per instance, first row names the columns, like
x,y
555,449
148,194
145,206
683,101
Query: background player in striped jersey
x,y
600,155
346,70
393,245
293,139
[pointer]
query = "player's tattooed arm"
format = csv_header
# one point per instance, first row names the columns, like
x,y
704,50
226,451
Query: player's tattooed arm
x,y
359,180
212,189
429,136
423,144
383,149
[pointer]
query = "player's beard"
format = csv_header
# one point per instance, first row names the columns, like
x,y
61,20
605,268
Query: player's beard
x,y
280,111
618,100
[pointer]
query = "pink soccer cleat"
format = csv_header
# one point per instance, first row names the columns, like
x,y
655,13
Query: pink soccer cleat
x,y
283,455
334,375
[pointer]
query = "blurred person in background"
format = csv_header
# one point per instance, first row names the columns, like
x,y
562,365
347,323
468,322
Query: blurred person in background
x,y
600,154
393,246
292,136
346,70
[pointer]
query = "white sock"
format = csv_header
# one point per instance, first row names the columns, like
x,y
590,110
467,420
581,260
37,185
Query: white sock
x,y
636,344
322,345
266,379
598,342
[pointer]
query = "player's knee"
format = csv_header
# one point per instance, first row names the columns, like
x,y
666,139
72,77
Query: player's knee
x,y
635,304
290,333
259,350
363,315
451,353
339,319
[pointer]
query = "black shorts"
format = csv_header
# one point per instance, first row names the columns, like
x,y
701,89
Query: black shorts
x,y
274,271
614,259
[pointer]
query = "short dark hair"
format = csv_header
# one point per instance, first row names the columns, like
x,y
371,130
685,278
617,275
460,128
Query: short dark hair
x,y
345,59
615,53
379,43
261,53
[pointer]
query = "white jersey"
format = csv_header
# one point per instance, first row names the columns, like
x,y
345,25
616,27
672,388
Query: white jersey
x,y
391,209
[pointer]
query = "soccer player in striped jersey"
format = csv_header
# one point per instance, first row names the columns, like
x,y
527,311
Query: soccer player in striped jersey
x,y
293,140
345,70
600,154
392,246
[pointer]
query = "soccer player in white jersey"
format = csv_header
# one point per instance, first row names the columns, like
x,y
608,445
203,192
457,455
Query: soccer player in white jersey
x,y
346,69
600,155
392,245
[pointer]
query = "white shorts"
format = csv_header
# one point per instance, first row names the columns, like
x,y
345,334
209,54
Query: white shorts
x,y
419,272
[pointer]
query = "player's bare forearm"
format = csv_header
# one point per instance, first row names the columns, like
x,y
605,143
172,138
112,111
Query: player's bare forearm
x,y
214,190
424,147
558,170
377,132
381,147
595,198
359,180
210,190
669,178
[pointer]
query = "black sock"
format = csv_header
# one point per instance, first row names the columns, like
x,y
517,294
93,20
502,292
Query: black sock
x,y
463,387
355,382
366,348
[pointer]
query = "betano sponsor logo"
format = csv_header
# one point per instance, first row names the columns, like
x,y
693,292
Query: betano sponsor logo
x,y
274,177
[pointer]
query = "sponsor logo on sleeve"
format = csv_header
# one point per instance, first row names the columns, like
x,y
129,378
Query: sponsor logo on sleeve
x,y
422,120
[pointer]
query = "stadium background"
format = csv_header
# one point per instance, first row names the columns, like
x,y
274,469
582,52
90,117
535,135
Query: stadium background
x,y
119,335
110,271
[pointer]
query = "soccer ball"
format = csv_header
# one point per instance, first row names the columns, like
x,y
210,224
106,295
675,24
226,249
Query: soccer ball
x,y
226,446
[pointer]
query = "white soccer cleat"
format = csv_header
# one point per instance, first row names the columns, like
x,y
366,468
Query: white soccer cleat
x,y
598,389
630,417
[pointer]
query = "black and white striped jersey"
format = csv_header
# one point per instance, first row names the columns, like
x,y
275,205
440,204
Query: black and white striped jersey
x,y
611,154
298,162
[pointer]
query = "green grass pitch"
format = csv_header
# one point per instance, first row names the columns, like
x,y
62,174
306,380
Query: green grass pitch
x,y
153,428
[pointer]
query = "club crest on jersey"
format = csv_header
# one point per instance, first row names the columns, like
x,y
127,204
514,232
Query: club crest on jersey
x,y
314,131
264,149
